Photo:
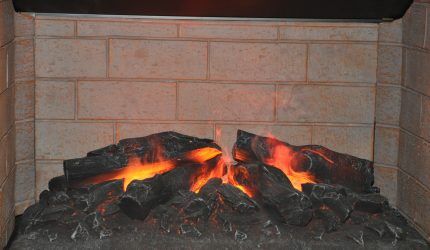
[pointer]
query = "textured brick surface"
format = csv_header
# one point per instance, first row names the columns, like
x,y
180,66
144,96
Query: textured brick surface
x,y
227,102
62,140
342,62
157,59
4,155
329,33
357,141
257,61
386,145
25,181
70,58
11,63
7,200
24,101
415,157
427,40
306,103
425,118
417,70
414,200
24,59
55,99
228,31
298,135
55,28
6,22
391,31
7,119
24,24
390,62
388,105
126,100
130,29
413,181
6,111
414,23
386,180
410,117
131,130
24,141
3,68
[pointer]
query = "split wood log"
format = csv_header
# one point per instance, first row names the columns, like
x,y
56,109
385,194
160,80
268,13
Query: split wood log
x,y
324,164
143,195
149,149
273,188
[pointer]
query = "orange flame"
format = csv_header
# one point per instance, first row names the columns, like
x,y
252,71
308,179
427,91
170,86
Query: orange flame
x,y
138,170
219,172
283,158
223,170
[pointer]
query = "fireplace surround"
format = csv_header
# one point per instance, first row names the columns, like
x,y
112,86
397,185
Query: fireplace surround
x,y
75,83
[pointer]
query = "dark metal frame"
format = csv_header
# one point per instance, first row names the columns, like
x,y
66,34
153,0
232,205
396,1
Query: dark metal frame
x,y
375,10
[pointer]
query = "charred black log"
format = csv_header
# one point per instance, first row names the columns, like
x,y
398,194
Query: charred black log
x,y
332,197
273,188
237,199
58,184
371,203
325,165
105,192
81,168
141,196
149,149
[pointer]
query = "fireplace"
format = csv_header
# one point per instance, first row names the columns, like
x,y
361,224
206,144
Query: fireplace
x,y
78,83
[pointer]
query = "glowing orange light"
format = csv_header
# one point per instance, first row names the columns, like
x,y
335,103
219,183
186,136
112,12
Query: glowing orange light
x,y
282,158
138,170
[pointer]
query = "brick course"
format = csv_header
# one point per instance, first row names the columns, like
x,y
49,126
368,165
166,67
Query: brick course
x,y
7,121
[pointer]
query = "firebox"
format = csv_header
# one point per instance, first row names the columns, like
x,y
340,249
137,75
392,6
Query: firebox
x,y
214,124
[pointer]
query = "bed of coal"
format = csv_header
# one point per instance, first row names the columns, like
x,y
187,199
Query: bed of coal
x,y
174,191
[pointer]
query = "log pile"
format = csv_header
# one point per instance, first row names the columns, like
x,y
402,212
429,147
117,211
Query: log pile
x,y
341,195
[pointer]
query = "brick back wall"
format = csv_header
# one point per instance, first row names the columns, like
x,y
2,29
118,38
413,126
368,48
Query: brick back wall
x,y
24,108
7,118
99,80
414,160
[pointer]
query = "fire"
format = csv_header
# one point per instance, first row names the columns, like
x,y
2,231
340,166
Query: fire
x,y
223,170
141,168
138,170
283,158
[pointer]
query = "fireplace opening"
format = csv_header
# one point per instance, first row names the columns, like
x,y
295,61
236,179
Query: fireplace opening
x,y
315,114
170,186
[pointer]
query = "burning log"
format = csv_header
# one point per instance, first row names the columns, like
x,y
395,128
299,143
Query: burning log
x,y
273,188
150,149
141,196
81,168
303,164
